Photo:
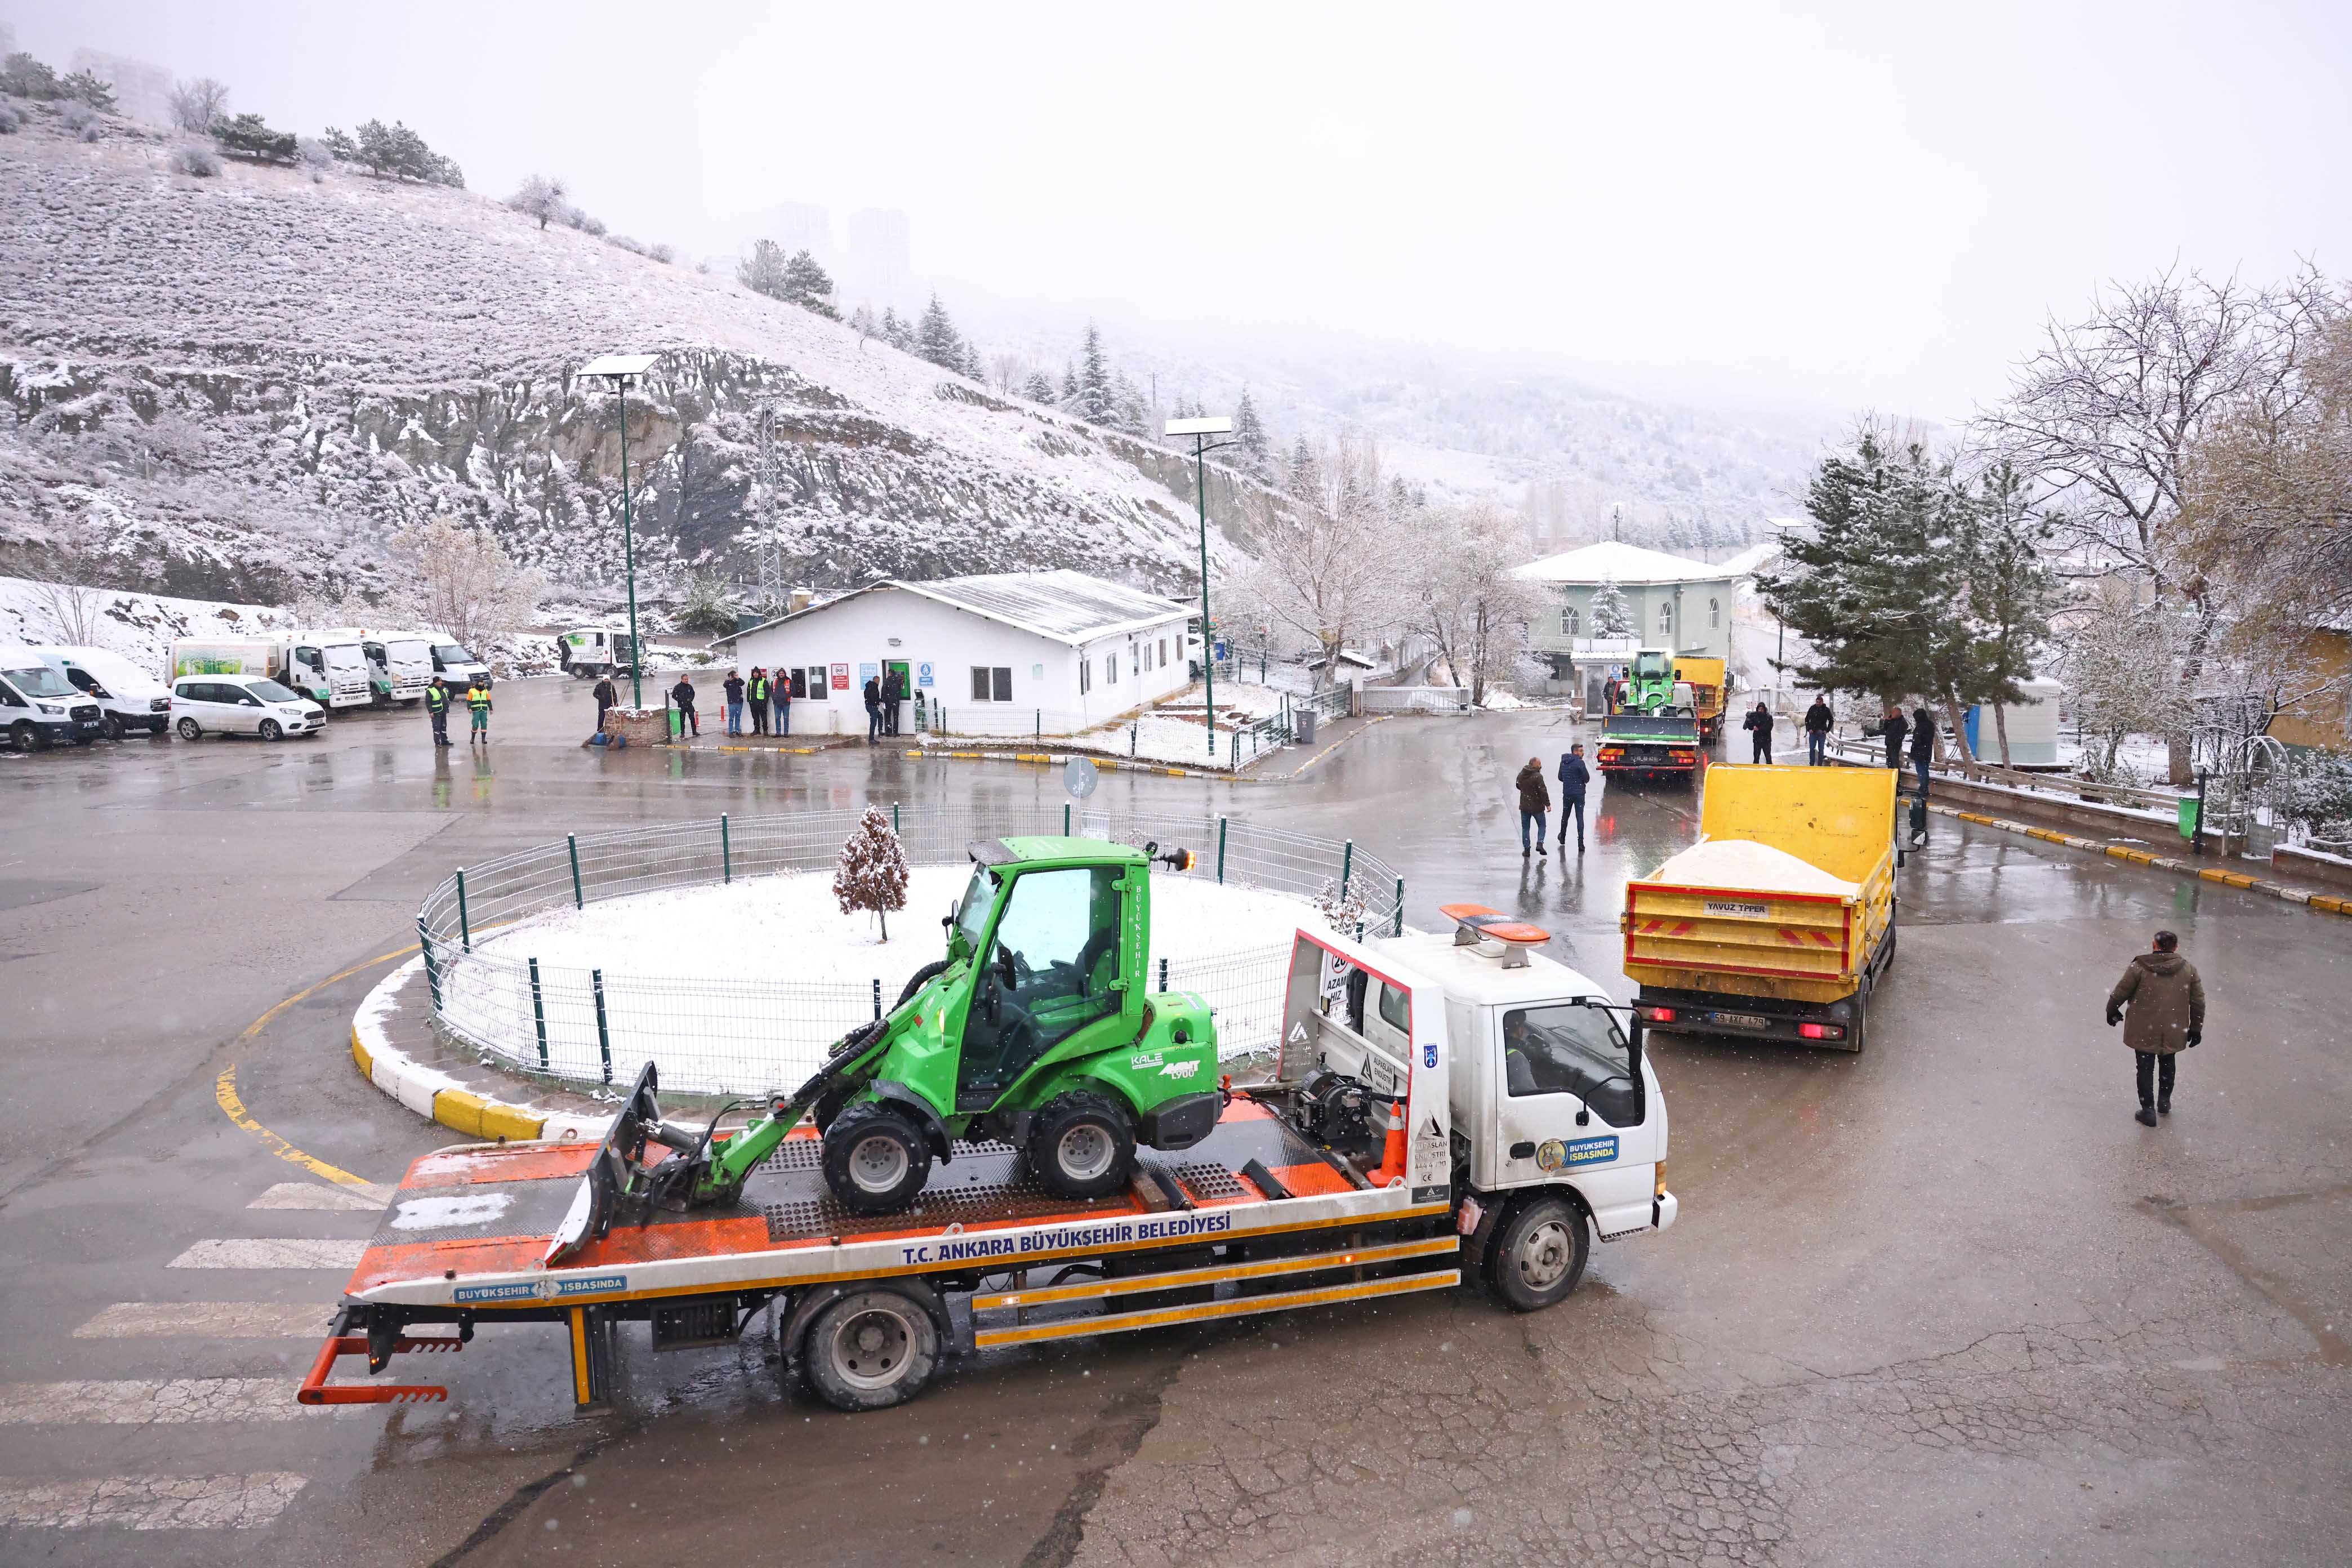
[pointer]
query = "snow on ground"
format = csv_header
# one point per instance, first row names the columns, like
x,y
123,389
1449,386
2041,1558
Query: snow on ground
x,y
743,987
139,627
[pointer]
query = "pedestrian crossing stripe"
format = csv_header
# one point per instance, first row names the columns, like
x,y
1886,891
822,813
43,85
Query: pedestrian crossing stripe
x,y
150,1503
209,1320
272,1252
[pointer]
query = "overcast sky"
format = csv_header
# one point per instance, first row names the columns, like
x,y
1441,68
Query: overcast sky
x,y
1847,204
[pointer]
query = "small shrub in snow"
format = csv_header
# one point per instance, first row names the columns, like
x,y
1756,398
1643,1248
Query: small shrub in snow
x,y
313,152
665,254
872,871
8,119
77,115
197,159
1345,911
540,197
575,218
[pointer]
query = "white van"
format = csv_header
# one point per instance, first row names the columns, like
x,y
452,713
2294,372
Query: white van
x,y
38,708
453,662
590,651
402,664
241,705
128,698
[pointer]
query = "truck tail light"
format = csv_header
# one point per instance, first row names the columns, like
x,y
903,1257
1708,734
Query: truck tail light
x,y
1821,1031
1660,1190
1656,1014
1683,756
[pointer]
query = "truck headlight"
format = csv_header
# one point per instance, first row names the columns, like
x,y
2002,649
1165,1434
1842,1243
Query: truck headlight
x,y
49,708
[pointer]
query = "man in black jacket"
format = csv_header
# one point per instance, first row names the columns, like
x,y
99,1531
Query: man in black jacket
x,y
607,695
1574,776
894,692
873,707
1759,725
682,694
437,704
1892,728
1818,721
1923,745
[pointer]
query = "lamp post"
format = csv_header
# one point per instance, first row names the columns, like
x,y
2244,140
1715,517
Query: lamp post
x,y
1200,429
616,370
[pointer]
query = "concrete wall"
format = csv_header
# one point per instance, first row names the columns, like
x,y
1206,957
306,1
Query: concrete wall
x,y
892,624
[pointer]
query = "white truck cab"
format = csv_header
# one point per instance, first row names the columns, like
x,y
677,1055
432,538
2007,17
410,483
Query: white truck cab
x,y
400,663
1554,1125
128,698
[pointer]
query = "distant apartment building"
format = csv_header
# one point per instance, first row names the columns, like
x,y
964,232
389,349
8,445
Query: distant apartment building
x,y
797,226
877,252
141,91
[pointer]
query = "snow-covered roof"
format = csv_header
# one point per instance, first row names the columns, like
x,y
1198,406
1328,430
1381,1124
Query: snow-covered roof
x,y
1611,561
1065,605
1748,560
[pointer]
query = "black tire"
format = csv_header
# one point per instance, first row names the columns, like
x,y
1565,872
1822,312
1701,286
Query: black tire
x,y
876,1160
870,1349
25,738
1537,1254
114,727
272,731
1082,1146
920,978
191,730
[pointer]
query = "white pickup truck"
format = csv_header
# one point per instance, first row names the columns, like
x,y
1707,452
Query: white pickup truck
x,y
1433,1096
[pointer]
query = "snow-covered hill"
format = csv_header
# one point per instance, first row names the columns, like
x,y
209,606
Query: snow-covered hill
x,y
236,387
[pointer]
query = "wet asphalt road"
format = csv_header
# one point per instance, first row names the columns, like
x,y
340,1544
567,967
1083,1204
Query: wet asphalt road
x,y
1944,1301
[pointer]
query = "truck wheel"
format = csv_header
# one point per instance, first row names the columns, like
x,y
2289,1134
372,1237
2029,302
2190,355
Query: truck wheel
x,y
1081,1147
115,730
870,1350
876,1160
191,730
24,737
1539,1254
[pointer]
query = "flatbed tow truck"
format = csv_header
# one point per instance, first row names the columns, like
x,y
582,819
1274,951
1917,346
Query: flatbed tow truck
x,y
1439,1103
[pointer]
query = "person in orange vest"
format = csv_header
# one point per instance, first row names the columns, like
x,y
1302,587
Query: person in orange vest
x,y
477,703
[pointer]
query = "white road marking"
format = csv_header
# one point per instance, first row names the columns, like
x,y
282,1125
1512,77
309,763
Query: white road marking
x,y
272,1252
210,1320
153,1402
148,1503
448,1212
316,1195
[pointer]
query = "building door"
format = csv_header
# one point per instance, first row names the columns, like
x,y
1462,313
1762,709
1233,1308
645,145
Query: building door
x,y
903,671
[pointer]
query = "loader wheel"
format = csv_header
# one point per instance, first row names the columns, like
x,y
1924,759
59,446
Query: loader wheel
x,y
1538,1255
870,1350
1081,1146
876,1160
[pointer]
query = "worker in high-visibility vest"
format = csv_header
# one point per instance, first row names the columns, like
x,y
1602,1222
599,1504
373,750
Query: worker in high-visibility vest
x,y
436,705
477,703
758,701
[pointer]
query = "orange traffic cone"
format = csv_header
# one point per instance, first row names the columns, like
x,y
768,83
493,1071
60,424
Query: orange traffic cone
x,y
1391,1165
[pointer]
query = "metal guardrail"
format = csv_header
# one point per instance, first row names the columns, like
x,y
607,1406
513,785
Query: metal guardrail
x,y
1416,698
748,1034
1869,750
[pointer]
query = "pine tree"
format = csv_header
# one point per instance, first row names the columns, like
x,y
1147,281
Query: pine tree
x,y
894,331
1305,480
1249,433
763,271
1097,397
1069,398
1038,388
805,284
862,318
1610,615
872,871
936,339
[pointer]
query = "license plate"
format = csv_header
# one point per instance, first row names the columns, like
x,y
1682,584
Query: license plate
x,y
1740,1020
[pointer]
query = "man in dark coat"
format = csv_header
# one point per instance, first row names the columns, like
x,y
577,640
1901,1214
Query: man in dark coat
x,y
1923,745
1574,776
734,688
682,694
2160,1003
437,704
607,697
1759,725
873,707
1535,806
1892,728
894,692
1818,721
757,690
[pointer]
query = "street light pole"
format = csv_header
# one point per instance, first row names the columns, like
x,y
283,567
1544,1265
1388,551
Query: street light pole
x,y
1199,430
617,371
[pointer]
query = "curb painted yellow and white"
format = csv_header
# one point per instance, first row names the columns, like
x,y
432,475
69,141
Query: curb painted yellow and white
x,y
2326,903
435,1094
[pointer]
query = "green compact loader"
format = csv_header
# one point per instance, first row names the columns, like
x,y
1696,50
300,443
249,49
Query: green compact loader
x,y
1035,1030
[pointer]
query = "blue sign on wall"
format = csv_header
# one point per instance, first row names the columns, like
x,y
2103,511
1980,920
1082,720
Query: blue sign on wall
x,y
866,672
922,675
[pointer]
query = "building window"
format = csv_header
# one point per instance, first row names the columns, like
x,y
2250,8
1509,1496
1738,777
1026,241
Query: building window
x,y
1666,620
1110,668
1163,652
1085,676
1567,622
1715,612
991,683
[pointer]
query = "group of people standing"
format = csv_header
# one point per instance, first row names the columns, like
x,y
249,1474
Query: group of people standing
x,y
763,691
1534,801
438,697
885,694
1894,728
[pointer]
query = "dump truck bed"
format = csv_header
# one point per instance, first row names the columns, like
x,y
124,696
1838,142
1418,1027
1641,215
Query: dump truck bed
x,y
1789,943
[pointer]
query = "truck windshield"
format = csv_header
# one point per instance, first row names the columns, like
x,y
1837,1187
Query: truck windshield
x,y
410,655
971,915
1563,1049
1652,666
39,681
270,691
347,657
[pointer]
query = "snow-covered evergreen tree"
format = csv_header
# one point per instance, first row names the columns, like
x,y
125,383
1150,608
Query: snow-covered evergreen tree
x,y
872,871
1038,388
1097,397
936,339
1305,478
1256,452
764,270
1611,615
894,331
1069,398
805,284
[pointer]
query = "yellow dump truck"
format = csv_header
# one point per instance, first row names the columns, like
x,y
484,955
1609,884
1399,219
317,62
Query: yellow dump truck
x,y
1780,923
1707,684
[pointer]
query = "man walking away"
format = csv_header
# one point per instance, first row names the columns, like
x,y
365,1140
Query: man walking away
x,y
607,697
682,694
1759,725
2160,1003
477,703
1923,745
894,694
436,705
873,707
758,701
1574,776
734,688
1817,732
784,697
1535,806
1892,728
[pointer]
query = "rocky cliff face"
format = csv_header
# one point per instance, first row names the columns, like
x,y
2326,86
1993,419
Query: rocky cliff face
x,y
238,387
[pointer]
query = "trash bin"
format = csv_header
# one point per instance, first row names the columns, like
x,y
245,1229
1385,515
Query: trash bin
x,y
1303,720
